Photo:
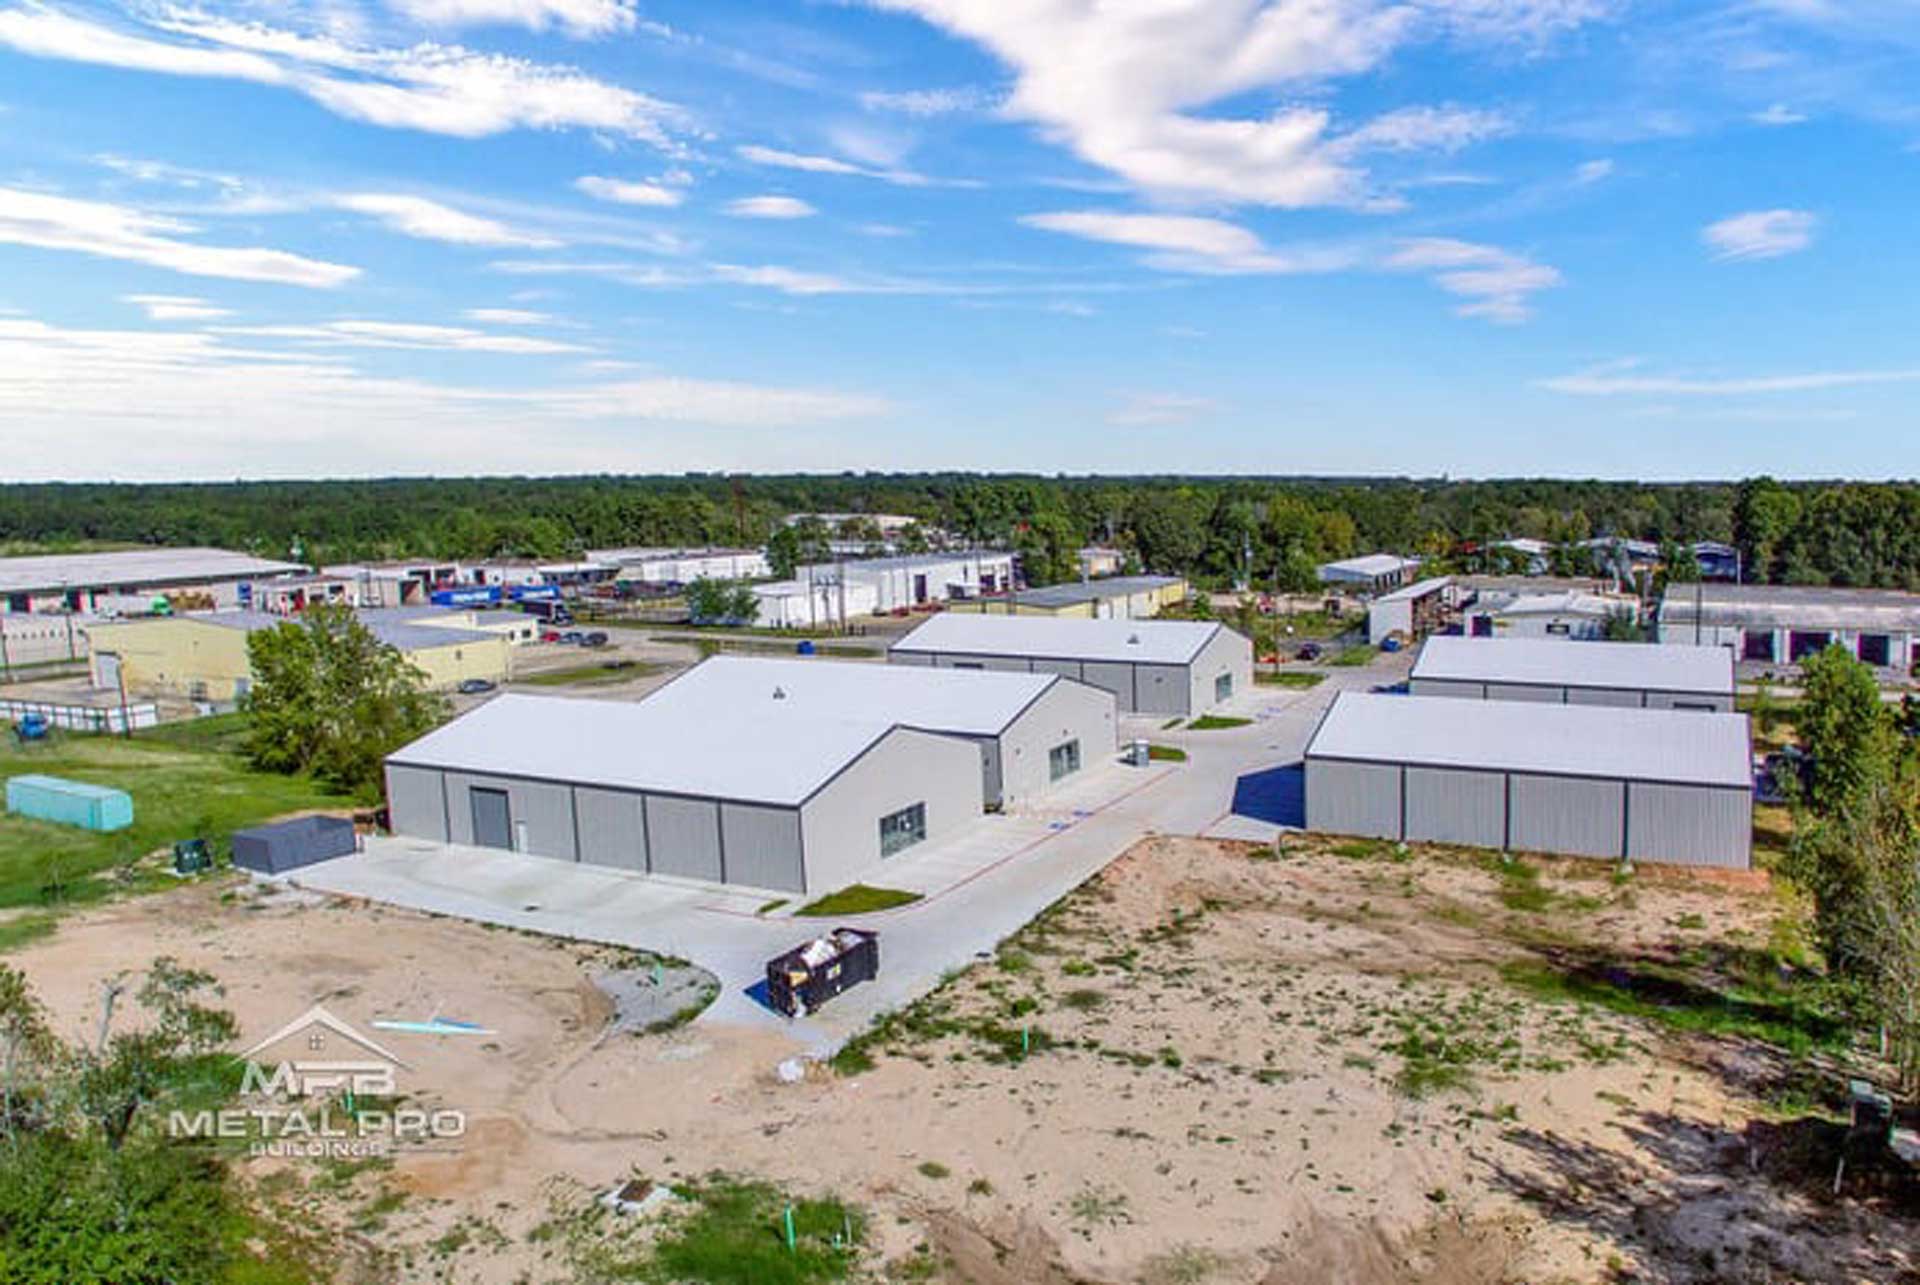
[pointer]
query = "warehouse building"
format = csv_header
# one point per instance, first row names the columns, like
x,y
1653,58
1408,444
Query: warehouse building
x,y
1627,675
1115,598
132,580
1779,624
752,790
674,566
1031,730
1151,666
1580,780
1413,611
812,603
920,579
1569,614
204,657
1372,573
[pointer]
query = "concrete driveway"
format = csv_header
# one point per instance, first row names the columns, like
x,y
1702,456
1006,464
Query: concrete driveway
x,y
977,887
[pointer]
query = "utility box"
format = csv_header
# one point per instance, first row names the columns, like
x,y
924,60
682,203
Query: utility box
x,y
275,849
808,976
50,798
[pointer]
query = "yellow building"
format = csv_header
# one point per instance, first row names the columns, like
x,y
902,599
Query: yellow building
x,y
204,657
1115,598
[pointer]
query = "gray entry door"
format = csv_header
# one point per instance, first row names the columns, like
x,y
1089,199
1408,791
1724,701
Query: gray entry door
x,y
492,819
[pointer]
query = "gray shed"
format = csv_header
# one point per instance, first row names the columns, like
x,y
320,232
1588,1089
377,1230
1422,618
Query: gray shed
x,y
1580,780
275,849
1565,672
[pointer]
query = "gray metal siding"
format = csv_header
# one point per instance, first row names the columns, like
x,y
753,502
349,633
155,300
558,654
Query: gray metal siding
x,y
1163,689
1353,798
1066,711
840,824
544,808
763,846
1227,652
1449,806
1114,676
1690,825
1526,692
1613,696
1445,687
416,802
612,831
683,837
1689,700
1567,815
992,772
910,658
1066,668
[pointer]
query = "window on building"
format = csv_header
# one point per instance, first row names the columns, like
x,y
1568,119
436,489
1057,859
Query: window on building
x,y
1559,627
1063,760
1876,649
1222,688
968,664
901,830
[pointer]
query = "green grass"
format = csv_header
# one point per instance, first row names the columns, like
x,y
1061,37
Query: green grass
x,y
1289,678
20,930
594,674
764,646
1354,657
1166,754
858,899
1216,722
734,1233
184,784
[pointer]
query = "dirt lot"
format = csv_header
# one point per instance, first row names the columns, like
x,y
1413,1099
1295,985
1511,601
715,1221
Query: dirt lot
x,y
1212,1064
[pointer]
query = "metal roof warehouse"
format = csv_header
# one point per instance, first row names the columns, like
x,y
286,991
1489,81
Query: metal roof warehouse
x,y
1784,623
45,582
1583,780
1557,671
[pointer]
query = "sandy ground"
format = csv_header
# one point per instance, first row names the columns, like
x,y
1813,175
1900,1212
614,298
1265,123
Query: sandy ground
x,y
1211,1089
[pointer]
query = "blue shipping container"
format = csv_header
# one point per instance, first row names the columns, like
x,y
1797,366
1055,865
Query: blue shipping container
x,y
48,798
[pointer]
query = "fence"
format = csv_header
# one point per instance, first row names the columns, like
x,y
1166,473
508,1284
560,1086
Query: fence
x,y
85,718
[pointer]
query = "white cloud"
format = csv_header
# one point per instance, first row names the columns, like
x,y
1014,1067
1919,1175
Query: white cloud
x,y
1411,129
1778,114
1760,234
1186,243
117,232
1610,381
175,307
507,317
1136,88
770,207
1589,172
623,192
223,408
927,102
1153,410
416,216
833,165
439,89
580,18
1497,284
409,335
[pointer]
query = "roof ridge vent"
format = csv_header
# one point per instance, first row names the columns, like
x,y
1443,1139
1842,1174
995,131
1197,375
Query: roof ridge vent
x,y
1133,640
779,693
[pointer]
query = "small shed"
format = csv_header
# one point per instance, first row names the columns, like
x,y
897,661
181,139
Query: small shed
x,y
276,849
51,798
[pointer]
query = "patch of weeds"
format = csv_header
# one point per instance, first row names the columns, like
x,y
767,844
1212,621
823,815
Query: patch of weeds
x,y
22,930
1361,849
1078,968
979,1187
1183,1265
857,899
1084,1000
933,1169
1098,1207
1690,922
1166,754
1216,723
771,906
1010,960
1354,657
734,1233
1290,678
1171,723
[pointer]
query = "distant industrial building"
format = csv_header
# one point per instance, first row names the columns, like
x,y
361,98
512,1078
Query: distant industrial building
x,y
1569,614
746,788
1373,573
1631,675
1580,780
1032,730
1114,598
812,603
1151,666
673,566
203,657
1412,611
1780,624
1096,561
132,580
919,579
395,584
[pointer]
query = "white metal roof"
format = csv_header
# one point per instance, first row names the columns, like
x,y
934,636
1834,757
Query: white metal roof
x,y
1791,607
1417,590
132,568
968,701
1560,662
1371,564
1152,642
1682,747
770,753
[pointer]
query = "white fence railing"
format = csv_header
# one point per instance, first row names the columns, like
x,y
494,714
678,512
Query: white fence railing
x,y
85,718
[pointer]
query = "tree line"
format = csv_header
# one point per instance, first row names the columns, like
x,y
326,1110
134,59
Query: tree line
x,y
1213,529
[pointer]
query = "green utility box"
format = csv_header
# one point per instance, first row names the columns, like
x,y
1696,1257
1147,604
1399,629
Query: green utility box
x,y
49,798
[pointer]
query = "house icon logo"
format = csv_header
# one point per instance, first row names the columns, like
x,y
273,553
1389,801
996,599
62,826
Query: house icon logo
x,y
320,1054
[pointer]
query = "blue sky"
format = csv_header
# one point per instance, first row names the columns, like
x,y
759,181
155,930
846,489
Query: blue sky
x,y
1472,237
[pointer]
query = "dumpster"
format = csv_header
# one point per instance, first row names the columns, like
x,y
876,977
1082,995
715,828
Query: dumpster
x,y
275,849
808,976
50,798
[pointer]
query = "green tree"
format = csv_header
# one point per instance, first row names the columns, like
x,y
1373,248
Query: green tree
x,y
1049,549
1764,516
1845,729
329,698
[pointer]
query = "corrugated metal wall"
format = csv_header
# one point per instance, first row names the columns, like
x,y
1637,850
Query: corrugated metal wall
x,y
1445,687
1353,798
1691,825
1566,814
762,846
1161,689
683,837
544,809
1526,692
1608,696
612,831
1446,806
415,803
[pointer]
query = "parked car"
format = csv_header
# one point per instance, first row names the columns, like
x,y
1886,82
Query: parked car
x,y
550,635
474,686
594,638
573,637
1310,651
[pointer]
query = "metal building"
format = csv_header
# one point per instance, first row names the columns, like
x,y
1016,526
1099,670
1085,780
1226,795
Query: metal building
x,y
1549,671
1780,624
1582,780
1031,730
753,792
1122,597
1151,666
1413,611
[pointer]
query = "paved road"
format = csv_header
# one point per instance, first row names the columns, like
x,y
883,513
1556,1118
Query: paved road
x,y
977,888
